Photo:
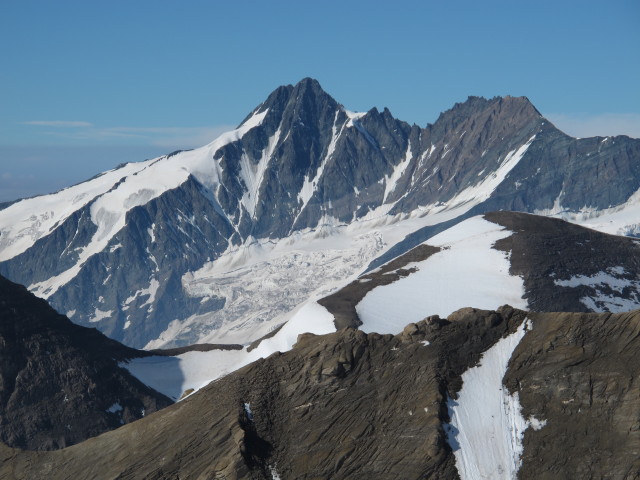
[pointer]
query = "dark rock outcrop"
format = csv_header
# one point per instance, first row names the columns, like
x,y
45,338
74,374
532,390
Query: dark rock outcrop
x,y
60,383
580,374
547,253
564,267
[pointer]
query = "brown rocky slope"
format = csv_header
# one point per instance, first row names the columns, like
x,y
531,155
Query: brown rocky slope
x,y
354,405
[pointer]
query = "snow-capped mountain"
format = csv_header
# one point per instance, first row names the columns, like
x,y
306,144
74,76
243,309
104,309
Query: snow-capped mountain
x,y
304,194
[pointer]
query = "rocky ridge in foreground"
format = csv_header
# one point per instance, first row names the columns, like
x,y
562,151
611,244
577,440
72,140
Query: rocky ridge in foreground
x,y
355,405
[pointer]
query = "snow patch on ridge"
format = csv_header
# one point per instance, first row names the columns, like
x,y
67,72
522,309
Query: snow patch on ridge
x,y
24,222
603,282
173,376
467,271
487,425
353,117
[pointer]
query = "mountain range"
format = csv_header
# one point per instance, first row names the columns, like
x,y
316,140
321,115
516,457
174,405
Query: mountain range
x,y
194,246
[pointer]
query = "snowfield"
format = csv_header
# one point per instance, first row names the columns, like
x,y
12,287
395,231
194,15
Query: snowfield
x,y
262,281
251,277
111,196
173,376
467,272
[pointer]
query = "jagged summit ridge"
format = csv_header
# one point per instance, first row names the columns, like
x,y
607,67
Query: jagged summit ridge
x,y
299,163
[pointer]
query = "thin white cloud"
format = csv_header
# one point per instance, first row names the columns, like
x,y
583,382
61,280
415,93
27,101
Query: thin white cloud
x,y
58,123
169,137
605,124
187,137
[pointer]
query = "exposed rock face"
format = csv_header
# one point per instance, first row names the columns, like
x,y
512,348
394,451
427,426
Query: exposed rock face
x,y
355,405
580,373
344,405
60,383
305,161
569,268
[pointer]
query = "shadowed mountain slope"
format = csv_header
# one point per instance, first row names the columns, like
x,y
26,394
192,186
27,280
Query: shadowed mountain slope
x,y
60,383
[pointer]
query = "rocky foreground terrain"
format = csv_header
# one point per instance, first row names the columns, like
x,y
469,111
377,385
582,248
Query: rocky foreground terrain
x,y
355,405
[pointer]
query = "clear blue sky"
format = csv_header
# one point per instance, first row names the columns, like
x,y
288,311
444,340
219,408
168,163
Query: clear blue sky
x,y
87,85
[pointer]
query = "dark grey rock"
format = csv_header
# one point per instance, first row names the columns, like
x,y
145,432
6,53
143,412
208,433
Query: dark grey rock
x,y
60,383
547,251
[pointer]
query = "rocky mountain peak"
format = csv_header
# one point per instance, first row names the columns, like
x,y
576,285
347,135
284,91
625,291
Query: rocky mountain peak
x,y
514,112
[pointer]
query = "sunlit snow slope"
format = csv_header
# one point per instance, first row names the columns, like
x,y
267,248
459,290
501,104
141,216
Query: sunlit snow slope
x,y
467,271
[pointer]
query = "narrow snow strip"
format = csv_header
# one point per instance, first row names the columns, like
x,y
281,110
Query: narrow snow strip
x,y
466,272
391,181
252,175
309,185
487,425
247,409
483,190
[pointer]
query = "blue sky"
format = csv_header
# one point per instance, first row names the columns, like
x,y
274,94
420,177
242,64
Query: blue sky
x,y
87,85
